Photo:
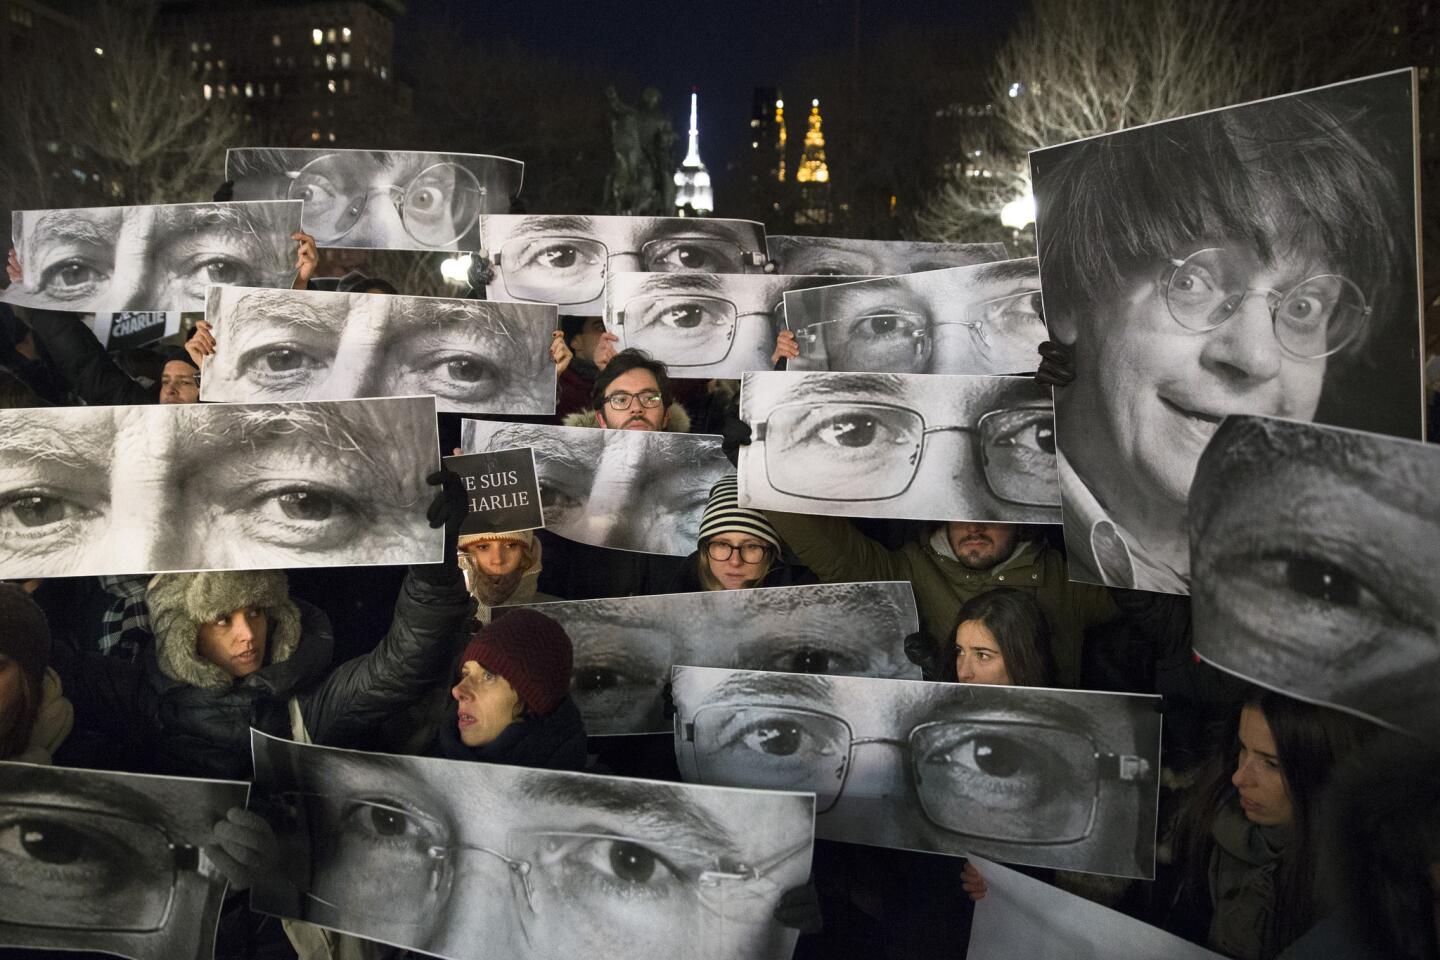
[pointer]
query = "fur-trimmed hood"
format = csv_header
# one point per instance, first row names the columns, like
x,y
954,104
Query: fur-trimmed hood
x,y
180,602
679,419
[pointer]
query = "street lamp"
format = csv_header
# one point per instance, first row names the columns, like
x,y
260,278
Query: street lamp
x,y
1020,212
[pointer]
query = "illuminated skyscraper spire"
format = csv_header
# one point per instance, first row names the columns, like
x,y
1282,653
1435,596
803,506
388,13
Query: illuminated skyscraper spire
x,y
692,180
812,162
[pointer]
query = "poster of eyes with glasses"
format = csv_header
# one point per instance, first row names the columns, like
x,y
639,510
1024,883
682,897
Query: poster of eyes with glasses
x,y
565,260
982,319
110,862
1255,260
842,256
1050,778
474,356
119,259
1314,550
380,199
904,446
623,489
625,646
703,325
466,859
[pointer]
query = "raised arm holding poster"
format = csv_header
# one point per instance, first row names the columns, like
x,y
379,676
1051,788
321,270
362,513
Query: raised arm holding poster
x,y
471,355
382,199
115,862
113,259
468,859
1257,260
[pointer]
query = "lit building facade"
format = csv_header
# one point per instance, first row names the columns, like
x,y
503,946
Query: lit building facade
x,y
813,176
693,194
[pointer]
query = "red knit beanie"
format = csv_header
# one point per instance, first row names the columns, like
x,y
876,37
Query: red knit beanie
x,y
531,651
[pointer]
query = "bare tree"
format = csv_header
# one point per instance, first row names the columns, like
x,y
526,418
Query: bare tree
x,y
1077,68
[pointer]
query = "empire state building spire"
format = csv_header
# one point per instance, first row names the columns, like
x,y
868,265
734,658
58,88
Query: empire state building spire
x,y
692,180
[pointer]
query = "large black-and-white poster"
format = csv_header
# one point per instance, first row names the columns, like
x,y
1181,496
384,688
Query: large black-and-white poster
x,y
566,260
623,489
982,319
116,259
1024,917
1314,551
1050,778
702,325
468,859
176,487
625,646
1256,260
381,199
473,356
110,862
842,256
906,446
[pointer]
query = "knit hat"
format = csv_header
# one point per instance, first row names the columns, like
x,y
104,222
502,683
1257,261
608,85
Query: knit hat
x,y
24,634
531,651
723,514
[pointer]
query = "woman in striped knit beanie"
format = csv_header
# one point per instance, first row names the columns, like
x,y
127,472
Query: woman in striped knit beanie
x,y
738,548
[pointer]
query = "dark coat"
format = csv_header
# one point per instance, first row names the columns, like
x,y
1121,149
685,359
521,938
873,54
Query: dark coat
x,y
83,362
555,741
162,724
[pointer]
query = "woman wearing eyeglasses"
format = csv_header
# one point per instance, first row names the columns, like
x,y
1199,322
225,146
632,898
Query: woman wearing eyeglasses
x,y
738,549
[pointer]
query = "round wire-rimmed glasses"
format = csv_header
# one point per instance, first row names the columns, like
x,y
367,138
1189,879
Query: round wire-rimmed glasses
x,y
437,206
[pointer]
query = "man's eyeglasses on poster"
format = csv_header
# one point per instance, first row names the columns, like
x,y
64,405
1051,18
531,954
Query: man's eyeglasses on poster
x,y
902,341
885,443
560,877
689,331
437,206
124,872
999,779
564,270
1317,317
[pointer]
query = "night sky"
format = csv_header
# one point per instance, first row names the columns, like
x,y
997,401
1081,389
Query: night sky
x,y
724,47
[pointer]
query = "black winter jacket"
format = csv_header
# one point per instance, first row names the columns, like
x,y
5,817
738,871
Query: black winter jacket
x,y
152,723
83,362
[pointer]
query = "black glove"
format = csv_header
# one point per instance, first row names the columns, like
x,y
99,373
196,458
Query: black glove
x,y
226,193
667,701
243,848
734,435
923,654
1055,370
447,509
799,909
481,273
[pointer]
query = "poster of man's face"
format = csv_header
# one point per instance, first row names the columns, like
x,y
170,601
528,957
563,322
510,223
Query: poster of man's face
x,y
905,446
1257,260
566,260
177,487
110,862
702,325
624,647
1049,778
380,199
842,256
465,859
1020,916
622,489
473,356
983,319
115,259
1314,551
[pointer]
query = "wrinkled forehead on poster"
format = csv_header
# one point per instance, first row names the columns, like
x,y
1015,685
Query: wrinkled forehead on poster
x,y
162,257
195,487
842,255
381,199
566,259
108,861
1313,551
435,854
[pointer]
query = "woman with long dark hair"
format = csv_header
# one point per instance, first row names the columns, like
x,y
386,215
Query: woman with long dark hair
x,y
998,637
1247,839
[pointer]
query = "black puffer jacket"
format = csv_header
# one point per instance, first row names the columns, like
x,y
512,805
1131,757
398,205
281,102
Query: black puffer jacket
x,y
83,362
172,724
